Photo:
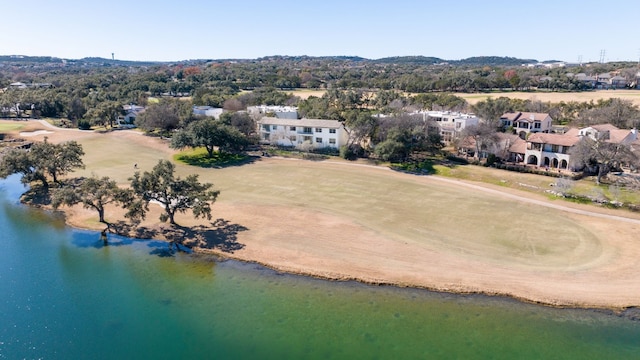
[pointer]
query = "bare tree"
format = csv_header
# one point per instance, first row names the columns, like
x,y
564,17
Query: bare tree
x,y
484,135
599,156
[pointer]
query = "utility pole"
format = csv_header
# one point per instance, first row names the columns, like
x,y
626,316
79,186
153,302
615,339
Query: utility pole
x,y
602,54
113,56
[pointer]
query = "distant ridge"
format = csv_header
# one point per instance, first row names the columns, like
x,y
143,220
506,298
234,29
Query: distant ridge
x,y
411,60
417,60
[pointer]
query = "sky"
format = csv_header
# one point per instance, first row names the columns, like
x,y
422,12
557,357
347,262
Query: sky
x,y
160,30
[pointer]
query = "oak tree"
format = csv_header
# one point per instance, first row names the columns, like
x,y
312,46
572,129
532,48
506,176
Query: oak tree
x,y
174,194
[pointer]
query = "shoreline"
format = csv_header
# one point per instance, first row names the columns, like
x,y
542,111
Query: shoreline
x,y
631,312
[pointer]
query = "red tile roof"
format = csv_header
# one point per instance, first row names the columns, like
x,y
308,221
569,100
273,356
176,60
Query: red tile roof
x,y
554,139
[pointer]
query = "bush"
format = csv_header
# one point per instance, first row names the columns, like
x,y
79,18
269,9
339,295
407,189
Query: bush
x,y
351,152
84,124
457,159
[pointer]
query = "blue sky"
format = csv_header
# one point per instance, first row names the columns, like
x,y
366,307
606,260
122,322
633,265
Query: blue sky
x,y
199,29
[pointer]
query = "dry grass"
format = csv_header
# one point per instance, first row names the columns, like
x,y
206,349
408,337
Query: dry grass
x,y
555,97
306,93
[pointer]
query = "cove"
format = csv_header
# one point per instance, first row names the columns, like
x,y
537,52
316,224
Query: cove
x,y
64,295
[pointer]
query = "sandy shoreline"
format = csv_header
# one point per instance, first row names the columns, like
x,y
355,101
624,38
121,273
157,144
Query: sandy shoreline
x,y
603,270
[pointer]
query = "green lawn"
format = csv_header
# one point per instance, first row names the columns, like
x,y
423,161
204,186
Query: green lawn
x,y
11,126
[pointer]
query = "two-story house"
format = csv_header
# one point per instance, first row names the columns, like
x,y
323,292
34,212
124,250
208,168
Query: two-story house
x,y
296,132
551,150
524,123
450,123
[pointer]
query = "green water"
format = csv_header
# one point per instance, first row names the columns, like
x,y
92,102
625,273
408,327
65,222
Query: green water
x,y
65,296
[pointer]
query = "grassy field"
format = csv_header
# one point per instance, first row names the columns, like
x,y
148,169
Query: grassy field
x,y
306,93
555,97
6,126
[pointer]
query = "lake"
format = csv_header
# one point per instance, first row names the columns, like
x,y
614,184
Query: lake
x,y
64,295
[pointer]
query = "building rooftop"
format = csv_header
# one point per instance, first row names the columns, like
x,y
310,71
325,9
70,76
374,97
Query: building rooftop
x,y
331,124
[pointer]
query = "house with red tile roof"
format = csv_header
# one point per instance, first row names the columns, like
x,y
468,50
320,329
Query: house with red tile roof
x,y
524,123
551,150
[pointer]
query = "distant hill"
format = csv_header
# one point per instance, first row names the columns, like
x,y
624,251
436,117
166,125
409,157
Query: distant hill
x,y
472,61
493,61
417,60
29,59
107,62
399,60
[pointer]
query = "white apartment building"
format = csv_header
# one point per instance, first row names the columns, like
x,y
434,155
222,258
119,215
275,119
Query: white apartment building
x,y
296,132
281,112
450,123
209,111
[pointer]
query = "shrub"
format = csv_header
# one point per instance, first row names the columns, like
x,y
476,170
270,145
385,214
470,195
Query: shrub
x,y
84,124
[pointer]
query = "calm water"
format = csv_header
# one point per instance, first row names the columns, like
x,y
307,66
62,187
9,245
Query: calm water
x,y
65,296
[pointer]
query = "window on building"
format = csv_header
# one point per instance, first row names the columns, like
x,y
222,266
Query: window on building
x,y
292,128
307,130
318,130
319,140
537,125
332,141
266,127
274,127
555,148
332,131
307,138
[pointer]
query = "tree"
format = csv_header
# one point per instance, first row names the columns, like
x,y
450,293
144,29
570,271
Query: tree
x,y
483,134
173,193
57,159
76,109
601,156
490,110
618,112
42,160
94,193
209,134
20,161
105,113
163,116
360,126
403,136
239,120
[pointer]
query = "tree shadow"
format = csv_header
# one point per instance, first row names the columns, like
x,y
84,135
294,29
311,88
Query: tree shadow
x,y
221,234
219,161
82,241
